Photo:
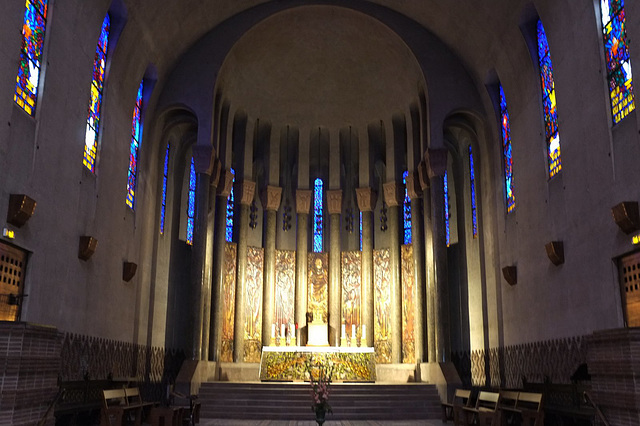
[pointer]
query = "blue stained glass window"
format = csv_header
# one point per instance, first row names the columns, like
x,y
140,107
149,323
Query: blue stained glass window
x,y
472,177
136,133
163,208
33,30
447,213
549,102
407,210
317,215
506,153
95,103
360,231
230,202
191,206
616,54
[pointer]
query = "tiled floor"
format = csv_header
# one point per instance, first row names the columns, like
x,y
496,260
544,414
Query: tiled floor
x,y
213,422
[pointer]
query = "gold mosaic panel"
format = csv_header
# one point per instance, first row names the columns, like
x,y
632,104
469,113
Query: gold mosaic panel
x,y
351,290
228,301
381,306
408,305
253,304
318,279
285,287
347,366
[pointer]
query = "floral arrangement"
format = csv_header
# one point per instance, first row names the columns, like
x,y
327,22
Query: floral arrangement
x,y
320,378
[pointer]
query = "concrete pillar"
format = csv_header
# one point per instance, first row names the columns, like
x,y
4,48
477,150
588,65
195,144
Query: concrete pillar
x,y
247,191
334,206
303,204
202,164
436,167
367,198
428,254
271,201
392,197
414,192
208,260
225,183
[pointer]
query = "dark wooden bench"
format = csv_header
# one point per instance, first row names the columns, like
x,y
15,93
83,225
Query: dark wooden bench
x,y
563,402
521,408
80,401
485,412
461,398
123,405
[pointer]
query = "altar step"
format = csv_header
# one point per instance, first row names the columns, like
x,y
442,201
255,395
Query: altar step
x,y
292,401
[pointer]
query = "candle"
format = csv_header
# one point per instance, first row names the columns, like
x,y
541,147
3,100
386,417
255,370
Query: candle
x,y
282,329
344,332
273,331
291,330
364,333
353,332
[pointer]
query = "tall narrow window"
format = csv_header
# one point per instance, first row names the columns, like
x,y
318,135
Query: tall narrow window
x,y
506,153
472,177
136,133
447,213
317,216
33,30
230,203
360,231
549,102
95,103
163,207
191,206
616,54
407,210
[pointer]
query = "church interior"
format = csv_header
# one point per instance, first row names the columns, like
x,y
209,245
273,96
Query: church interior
x,y
201,192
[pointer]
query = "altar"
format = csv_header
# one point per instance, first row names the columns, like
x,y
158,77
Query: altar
x,y
288,363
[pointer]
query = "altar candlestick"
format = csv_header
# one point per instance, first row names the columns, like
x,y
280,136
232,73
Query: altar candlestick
x,y
343,330
353,333
282,329
273,331
364,328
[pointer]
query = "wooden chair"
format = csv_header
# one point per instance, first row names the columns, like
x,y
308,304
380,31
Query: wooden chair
x,y
508,406
461,398
530,405
485,412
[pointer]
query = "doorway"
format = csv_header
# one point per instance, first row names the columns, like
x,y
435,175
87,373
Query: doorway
x,y
13,263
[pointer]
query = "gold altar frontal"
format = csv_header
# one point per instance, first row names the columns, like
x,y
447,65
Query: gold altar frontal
x,y
288,363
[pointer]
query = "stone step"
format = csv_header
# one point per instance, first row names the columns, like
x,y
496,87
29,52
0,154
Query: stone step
x,y
292,401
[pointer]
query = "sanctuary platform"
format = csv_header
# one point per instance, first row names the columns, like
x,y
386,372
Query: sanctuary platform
x,y
288,363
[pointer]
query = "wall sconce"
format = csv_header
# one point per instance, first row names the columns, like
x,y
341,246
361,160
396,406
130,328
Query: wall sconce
x,y
626,216
555,251
128,270
87,247
21,208
510,274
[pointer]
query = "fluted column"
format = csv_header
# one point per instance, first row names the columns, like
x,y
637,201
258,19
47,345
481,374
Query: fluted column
x,y
303,204
271,201
428,254
208,260
225,183
392,198
334,205
436,167
414,192
366,203
246,197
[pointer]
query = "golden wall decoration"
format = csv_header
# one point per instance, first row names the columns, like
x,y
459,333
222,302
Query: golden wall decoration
x,y
318,279
382,307
408,305
253,304
351,290
228,297
285,288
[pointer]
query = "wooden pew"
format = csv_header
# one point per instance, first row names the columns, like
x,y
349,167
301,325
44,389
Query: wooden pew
x,y
461,398
530,406
121,406
510,415
485,412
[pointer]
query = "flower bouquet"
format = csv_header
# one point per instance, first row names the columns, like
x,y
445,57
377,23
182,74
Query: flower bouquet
x,y
320,380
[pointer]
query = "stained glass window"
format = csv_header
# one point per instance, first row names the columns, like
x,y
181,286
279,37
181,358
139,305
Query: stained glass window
x,y
472,177
136,134
360,231
317,216
33,29
163,208
506,153
616,54
549,102
230,203
447,213
191,206
95,103
407,210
